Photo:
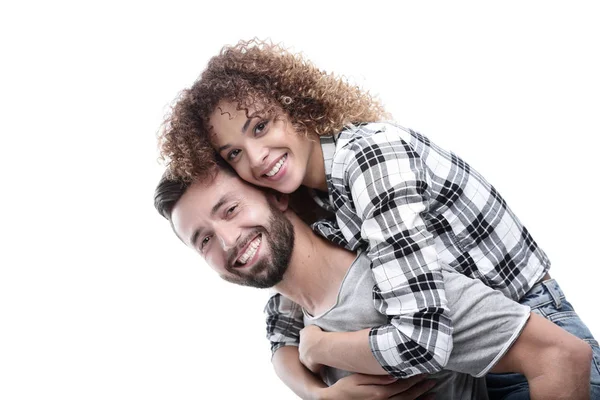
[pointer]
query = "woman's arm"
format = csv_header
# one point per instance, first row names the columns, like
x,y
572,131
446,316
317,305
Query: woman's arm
x,y
356,386
284,318
349,351
387,186
555,363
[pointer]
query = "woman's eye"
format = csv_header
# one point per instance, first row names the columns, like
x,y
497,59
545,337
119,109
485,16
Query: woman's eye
x,y
260,127
204,242
233,154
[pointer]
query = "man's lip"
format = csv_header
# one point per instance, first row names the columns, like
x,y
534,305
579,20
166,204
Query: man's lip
x,y
270,167
251,260
243,250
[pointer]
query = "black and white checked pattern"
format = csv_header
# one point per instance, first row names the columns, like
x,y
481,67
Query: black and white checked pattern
x,y
414,206
284,322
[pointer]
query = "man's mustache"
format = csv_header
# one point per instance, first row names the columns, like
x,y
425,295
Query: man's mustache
x,y
233,254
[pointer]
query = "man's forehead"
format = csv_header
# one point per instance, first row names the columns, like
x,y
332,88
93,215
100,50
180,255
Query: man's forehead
x,y
204,195
195,205
211,189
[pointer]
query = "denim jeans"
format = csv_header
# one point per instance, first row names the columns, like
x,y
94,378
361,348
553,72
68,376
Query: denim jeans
x,y
547,299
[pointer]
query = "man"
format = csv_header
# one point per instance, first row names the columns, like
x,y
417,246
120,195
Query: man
x,y
254,239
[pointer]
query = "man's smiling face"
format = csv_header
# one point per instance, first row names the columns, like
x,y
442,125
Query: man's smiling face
x,y
244,237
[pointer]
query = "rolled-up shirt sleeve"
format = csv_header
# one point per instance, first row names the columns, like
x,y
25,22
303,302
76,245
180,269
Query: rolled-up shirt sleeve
x,y
284,321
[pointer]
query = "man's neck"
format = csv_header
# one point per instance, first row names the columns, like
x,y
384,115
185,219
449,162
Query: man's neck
x,y
316,270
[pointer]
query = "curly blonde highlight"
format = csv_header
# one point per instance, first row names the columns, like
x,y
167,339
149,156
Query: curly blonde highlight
x,y
268,77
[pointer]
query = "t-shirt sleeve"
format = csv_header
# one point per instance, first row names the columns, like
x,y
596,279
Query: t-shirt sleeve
x,y
486,323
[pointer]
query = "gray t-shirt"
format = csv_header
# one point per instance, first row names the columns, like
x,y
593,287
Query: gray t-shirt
x,y
486,323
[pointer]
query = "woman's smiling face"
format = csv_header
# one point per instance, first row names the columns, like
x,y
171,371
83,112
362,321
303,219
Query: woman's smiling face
x,y
264,150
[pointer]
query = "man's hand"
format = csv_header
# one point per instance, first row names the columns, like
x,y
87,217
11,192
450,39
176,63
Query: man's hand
x,y
308,349
377,387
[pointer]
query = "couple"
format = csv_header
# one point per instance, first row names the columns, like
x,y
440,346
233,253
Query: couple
x,y
252,237
416,219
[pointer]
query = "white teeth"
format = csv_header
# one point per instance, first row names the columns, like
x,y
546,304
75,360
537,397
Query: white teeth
x,y
277,166
250,251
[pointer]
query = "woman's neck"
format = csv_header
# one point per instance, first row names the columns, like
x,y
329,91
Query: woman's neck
x,y
315,169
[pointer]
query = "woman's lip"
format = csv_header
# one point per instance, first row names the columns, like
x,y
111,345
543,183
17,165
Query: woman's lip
x,y
281,171
271,166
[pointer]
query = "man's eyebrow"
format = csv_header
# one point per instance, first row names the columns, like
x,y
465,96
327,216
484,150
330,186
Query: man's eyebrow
x,y
195,236
244,128
224,199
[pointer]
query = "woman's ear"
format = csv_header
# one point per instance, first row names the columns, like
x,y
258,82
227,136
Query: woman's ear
x,y
279,200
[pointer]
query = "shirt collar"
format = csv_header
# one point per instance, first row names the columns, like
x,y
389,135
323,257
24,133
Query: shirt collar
x,y
328,148
328,144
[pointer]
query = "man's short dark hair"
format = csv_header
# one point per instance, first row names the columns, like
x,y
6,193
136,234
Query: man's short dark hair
x,y
170,189
167,193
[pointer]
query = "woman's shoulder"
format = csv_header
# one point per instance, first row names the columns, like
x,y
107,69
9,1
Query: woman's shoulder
x,y
359,137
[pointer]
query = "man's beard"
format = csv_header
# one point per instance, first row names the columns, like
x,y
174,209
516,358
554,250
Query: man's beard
x,y
267,272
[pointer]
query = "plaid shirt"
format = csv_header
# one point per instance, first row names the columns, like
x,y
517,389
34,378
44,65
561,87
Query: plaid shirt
x,y
414,206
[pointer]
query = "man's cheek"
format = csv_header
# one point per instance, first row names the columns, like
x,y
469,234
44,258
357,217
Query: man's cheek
x,y
217,263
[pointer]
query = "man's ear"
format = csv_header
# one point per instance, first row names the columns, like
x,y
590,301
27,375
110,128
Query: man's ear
x,y
279,200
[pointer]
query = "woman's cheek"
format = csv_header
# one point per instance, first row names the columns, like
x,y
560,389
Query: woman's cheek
x,y
243,171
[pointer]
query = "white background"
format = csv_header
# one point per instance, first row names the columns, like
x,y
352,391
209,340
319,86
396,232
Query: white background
x,y
99,300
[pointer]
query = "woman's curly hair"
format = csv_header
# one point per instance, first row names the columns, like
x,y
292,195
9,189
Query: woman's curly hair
x,y
273,80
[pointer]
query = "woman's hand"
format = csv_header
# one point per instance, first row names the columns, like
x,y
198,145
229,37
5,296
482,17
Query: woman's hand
x,y
377,387
309,348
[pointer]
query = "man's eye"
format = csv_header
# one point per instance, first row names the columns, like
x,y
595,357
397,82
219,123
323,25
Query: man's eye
x,y
204,242
260,127
233,154
231,210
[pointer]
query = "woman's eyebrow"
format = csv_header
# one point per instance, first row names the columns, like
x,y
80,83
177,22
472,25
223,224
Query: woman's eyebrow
x,y
246,125
223,148
244,128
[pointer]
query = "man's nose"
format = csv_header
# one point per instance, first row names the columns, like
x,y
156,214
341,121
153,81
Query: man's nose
x,y
228,236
